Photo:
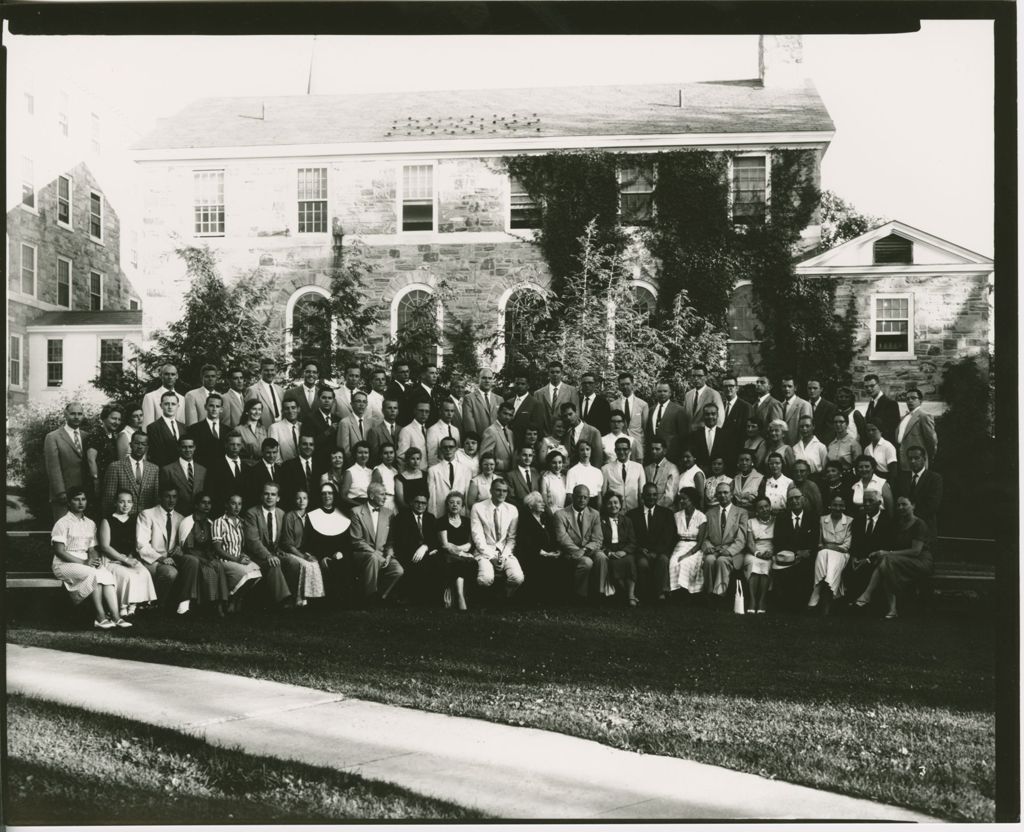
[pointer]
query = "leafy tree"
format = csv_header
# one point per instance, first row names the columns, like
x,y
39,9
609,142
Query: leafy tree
x,y
841,222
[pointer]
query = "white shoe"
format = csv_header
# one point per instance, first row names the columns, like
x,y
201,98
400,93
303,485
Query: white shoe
x,y
183,607
105,624
122,623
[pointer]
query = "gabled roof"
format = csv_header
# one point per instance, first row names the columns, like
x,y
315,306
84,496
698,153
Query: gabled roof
x,y
127,318
929,251
471,115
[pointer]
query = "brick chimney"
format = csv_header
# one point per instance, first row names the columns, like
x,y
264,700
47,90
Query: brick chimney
x,y
780,60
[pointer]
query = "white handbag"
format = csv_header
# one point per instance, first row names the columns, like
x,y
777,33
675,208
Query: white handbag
x,y
737,601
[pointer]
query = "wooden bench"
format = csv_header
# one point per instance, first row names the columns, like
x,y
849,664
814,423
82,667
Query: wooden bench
x,y
963,564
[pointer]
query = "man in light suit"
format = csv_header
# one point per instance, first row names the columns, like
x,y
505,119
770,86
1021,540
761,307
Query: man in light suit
x,y
151,401
737,412
696,397
175,575
664,421
353,382
443,427
457,396
923,487
525,408
195,400
523,477
594,407
710,441
261,536
480,408
209,433
378,392
634,410
916,429
767,408
883,410
580,540
373,552
288,430
623,476
234,398
823,411
445,476
552,396
576,431
384,430
414,434
497,440
267,393
724,543
185,475
133,474
493,524
64,457
663,474
356,427
165,432
793,409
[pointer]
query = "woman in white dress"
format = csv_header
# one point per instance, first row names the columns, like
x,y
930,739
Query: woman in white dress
x,y
868,480
583,473
685,567
358,476
757,562
714,479
385,473
116,538
775,486
552,482
134,416
77,563
227,543
480,486
690,476
836,538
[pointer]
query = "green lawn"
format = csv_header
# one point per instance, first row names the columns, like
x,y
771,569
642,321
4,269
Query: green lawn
x,y
900,712
75,768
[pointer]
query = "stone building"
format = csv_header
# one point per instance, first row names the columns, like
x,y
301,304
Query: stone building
x,y
418,177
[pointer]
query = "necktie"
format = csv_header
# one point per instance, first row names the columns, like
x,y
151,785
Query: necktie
x,y
170,531
394,432
419,524
138,472
728,407
722,522
913,484
650,517
78,442
373,521
450,432
814,406
785,408
554,396
273,401
871,408
174,430
586,407
238,469
579,519
626,413
216,432
508,438
657,417
295,438
623,476
711,439
497,526
309,472
191,476
871,526
451,475
360,428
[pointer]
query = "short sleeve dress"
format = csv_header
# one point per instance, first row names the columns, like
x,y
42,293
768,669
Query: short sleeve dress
x,y
906,570
686,572
134,584
78,536
463,566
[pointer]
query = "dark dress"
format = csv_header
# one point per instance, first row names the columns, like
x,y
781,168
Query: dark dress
x,y
457,567
545,578
212,583
413,488
122,535
906,570
337,574
106,452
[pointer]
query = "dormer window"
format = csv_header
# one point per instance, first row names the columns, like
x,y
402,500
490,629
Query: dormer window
x,y
893,249
636,195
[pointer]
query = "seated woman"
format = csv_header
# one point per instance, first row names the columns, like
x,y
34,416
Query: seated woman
x,y
357,477
308,580
583,473
552,482
900,568
747,482
134,584
480,486
335,472
467,454
685,566
537,550
757,562
716,476
411,481
833,484
619,546
690,476
776,444
833,555
77,563
251,429
385,472
775,486
455,542
754,442
240,570
868,480
196,536
326,537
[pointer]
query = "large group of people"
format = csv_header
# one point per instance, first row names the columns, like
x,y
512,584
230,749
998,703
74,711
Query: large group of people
x,y
407,492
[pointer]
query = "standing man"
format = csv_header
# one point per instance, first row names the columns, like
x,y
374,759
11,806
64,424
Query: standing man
x,y
696,398
151,401
552,396
287,431
305,395
493,525
267,392
445,476
575,431
134,474
793,409
737,412
523,477
323,426
710,441
353,382
384,430
256,476
480,407
580,540
398,387
724,543
594,407
917,428
425,390
184,475
300,474
822,410
497,440
924,489
224,474
634,412
441,429
64,456
378,390
209,433
881,409
165,432
655,530
373,551
525,407
233,398
664,421
456,395
356,427
662,474
414,434
767,408
195,400
623,476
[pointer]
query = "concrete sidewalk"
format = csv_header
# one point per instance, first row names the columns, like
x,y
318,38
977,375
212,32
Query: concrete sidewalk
x,y
502,770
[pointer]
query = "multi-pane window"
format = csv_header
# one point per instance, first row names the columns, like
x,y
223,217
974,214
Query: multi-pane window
x,y
14,360
64,192
416,310
111,359
95,215
64,282
644,301
96,134
749,189
522,311
30,104
524,212
28,183
95,291
54,362
893,249
636,195
209,202
63,123
418,198
312,200
133,305
893,326
28,269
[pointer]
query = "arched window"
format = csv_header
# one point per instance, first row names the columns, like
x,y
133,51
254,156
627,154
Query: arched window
x,y
417,323
308,325
519,309
645,298
744,345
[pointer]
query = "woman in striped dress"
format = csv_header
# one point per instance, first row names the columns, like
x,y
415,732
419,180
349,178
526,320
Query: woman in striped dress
x,y
227,542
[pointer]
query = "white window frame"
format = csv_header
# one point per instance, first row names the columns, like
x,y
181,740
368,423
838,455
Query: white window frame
x,y
400,197
35,270
637,283
195,204
92,237
12,337
909,354
102,277
70,224
324,199
48,363
508,212
618,182
71,282
64,114
503,299
30,104
28,177
767,156
289,315
99,353
407,289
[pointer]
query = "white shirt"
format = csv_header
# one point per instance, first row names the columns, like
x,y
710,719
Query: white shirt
x,y
233,462
214,428
776,490
184,466
361,477
375,405
172,426
884,453
517,402
902,429
709,437
814,453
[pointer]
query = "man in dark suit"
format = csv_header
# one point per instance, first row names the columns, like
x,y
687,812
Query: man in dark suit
x,y
322,425
383,431
767,408
414,533
184,474
663,421
577,431
425,390
64,456
525,408
822,412
796,545
397,387
165,432
881,409
710,442
594,407
306,395
654,529
872,533
522,478
208,435
373,550
133,474
258,475
300,474
224,474
923,487
737,412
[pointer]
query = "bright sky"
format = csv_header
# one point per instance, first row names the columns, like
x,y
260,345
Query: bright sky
x,y
913,112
